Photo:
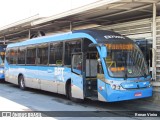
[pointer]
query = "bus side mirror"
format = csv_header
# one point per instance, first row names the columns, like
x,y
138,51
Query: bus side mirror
x,y
104,51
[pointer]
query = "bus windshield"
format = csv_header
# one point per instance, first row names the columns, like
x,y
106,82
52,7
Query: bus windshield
x,y
125,60
2,56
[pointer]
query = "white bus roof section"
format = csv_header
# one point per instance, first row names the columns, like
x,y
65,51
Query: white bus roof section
x,y
102,12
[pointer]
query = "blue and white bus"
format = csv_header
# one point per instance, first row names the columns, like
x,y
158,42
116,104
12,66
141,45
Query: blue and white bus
x,y
96,64
2,57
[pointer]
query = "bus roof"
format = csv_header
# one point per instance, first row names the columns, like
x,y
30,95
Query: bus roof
x,y
96,36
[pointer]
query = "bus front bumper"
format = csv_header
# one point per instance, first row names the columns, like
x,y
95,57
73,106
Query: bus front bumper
x,y
110,95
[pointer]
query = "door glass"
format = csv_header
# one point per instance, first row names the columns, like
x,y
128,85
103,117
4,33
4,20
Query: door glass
x,y
77,64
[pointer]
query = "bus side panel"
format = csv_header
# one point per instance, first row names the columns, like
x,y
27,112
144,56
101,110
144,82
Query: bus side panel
x,y
31,77
6,71
47,79
64,74
13,73
77,86
59,77
52,79
101,90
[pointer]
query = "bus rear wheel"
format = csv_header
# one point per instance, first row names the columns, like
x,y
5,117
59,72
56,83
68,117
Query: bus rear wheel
x,y
21,82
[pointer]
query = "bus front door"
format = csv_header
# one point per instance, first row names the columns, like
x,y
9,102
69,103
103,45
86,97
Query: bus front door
x,y
77,90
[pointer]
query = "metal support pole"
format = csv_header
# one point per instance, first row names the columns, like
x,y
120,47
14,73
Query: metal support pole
x,y
4,40
29,34
154,42
70,26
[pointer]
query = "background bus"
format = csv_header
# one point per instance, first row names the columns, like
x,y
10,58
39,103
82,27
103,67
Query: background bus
x,y
96,64
2,57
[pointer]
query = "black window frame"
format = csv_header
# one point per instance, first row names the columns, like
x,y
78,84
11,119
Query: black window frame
x,y
8,55
62,58
16,57
48,53
29,46
71,51
25,48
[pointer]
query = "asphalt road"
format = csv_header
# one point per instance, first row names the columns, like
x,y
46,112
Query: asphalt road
x,y
14,99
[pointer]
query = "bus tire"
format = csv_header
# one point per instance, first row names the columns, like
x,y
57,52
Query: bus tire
x,y
70,95
21,82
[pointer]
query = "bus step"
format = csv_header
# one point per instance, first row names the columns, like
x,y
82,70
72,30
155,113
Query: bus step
x,y
93,98
92,93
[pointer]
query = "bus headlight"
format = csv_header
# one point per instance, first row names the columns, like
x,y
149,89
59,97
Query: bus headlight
x,y
113,87
1,71
118,87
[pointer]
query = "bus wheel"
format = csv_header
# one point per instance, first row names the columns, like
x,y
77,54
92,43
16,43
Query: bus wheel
x,y
21,82
70,95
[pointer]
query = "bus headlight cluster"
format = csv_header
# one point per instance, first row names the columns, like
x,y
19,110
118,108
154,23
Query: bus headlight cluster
x,y
1,71
116,87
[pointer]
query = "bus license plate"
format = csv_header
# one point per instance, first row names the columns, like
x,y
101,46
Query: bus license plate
x,y
138,94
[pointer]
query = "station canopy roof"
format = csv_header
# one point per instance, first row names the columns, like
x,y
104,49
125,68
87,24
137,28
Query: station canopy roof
x,y
102,12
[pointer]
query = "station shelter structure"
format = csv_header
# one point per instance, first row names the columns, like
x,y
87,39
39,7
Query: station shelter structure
x,y
136,19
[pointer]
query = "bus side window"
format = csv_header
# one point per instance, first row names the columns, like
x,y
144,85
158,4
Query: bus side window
x,y
13,56
31,55
56,52
21,55
8,55
77,63
42,54
71,47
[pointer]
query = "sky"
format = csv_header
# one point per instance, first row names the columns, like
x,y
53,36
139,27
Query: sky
x,y
15,10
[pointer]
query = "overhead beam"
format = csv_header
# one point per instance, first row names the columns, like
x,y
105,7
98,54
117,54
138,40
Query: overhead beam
x,y
111,15
137,1
119,13
6,35
145,1
19,23
75,11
